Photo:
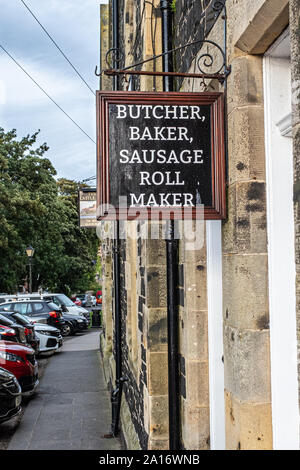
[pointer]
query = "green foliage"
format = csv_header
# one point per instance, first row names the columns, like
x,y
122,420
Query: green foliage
x,y
36,209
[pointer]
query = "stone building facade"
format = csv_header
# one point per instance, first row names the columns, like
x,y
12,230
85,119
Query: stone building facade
x,y
239,294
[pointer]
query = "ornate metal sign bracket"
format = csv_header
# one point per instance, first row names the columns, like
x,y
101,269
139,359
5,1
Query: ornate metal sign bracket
x,y
211,64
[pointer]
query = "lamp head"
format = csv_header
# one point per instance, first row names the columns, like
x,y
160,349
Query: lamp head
x,y
30,251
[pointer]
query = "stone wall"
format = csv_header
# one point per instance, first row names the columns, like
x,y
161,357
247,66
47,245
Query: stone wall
x,y
252,27
245,264
144,351
144,417
193,327
193,20
133,361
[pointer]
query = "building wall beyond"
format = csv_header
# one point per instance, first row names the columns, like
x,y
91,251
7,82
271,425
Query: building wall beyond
x,y
251,29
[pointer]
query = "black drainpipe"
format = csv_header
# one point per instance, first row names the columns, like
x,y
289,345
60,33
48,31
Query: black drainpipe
x,y
172,261
116,394
115,38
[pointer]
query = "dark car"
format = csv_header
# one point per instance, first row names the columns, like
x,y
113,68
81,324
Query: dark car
x,y
76,323
31,338
66,305
19,330
61,301
10,395
39,311
20,360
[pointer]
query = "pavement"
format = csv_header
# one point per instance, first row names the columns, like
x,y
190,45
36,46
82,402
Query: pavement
x,y
71,408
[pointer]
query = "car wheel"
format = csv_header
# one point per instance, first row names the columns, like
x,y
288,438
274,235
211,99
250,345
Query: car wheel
x,y
66,330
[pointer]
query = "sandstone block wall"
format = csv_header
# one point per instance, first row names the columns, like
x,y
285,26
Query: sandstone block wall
x,y
251,28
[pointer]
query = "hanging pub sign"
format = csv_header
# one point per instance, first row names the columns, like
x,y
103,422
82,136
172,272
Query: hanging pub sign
x,y
87,204
160,154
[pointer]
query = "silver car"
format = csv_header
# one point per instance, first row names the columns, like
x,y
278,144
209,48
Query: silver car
x,y
61,300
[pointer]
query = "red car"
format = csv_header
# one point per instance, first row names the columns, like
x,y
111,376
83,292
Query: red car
x,y
8,334
76,301
20,360
99,297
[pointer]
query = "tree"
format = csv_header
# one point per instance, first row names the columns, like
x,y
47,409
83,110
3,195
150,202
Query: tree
x,y
81,245
36,209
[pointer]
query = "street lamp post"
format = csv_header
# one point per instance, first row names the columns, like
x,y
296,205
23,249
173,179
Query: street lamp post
x,y
30,253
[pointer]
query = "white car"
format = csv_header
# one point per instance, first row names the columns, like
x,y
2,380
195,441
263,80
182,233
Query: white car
x,y
49,336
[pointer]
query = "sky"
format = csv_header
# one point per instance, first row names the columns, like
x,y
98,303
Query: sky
x,y
75,27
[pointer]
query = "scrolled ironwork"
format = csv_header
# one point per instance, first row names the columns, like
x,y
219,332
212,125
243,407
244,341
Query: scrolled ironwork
x,y
218,5
114,57
207,59
205,62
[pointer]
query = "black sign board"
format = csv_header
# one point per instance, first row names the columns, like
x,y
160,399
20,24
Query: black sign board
x,y
162,153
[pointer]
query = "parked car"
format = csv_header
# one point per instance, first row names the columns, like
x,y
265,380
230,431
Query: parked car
x,y
10,395
39,311
8,334
19,330
61,300
20,360
76,300
76,323
67,306
42,311
82,298
87,300
31,338
99,297
7,298
50,338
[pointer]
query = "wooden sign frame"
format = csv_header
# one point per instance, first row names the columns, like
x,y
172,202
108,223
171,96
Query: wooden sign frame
x,y
217,210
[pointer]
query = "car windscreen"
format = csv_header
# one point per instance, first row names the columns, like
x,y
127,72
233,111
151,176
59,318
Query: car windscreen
x,y
52,305
6,320
23,319
64,300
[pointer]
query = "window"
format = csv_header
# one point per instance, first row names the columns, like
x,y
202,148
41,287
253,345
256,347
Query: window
x,y
55,301
23,308
7,307
52,305
38,307
63,300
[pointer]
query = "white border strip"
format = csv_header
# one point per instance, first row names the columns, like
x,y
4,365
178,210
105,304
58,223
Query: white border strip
x,y
215,334
281,258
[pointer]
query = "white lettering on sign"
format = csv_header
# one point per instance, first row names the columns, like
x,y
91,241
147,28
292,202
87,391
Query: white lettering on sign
x,y
162,200
157,178
161,156
136,111
177,157
159,133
